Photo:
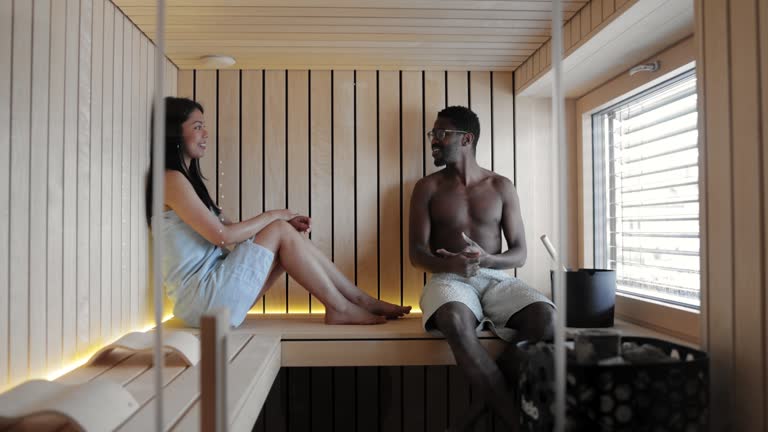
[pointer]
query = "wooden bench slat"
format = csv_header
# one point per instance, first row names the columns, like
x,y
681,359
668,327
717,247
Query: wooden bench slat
x,y
84,374
143,387
179,394
250,378
128,369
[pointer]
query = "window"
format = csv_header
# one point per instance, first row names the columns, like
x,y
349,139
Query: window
x,y
646,190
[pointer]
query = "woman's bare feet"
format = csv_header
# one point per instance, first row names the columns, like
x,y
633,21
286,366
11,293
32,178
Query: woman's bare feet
x,y
352,315
385,309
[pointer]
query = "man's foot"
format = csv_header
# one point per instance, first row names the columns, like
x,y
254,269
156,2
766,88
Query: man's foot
x,y
353,315
385,309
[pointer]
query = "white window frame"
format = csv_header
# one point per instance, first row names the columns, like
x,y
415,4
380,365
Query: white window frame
x,y
675,320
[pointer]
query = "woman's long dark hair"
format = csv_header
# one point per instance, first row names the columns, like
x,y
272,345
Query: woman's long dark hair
x,y
177,111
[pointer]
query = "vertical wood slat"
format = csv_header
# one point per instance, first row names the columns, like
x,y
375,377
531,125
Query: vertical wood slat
x,y
6,62
117,151
608,8
228,143
321,175
480,100
503,112
299,399
125,184
763,54
298,167
413,154
597,13
458,88
717,129
143,146
390,398
82,325
367,405
41,28
366,198
20,125
275,187
434,102
344,172
186,87
137,146
344,399
70,178
413,398
205,94
252,149
321,392
458,395
276,405
436,398
389,160
96,109
586,21
107,191
749,282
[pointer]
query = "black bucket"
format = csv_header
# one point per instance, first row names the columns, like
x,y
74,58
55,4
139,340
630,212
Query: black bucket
x,y
590,296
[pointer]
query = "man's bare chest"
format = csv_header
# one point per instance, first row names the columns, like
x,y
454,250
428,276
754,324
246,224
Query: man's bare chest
x,y
463,206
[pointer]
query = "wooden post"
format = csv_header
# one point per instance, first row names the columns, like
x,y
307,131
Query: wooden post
x,y
213,371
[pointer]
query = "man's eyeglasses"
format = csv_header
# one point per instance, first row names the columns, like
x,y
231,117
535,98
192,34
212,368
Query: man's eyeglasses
x,y
440,133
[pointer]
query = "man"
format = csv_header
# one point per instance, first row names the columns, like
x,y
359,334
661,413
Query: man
x,y
457,217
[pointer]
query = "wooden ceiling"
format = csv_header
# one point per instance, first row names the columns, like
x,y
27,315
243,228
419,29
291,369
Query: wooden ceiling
x,y
352,34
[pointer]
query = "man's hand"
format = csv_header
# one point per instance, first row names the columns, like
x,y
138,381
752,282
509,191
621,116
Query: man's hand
x,y
472,248
303,224
460,264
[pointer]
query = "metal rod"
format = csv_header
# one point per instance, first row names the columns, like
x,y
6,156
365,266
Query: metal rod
x,y
158,170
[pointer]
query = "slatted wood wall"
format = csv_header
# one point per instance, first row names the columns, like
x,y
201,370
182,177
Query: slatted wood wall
x,y
346,147
732,68
586,23
407,398
75,84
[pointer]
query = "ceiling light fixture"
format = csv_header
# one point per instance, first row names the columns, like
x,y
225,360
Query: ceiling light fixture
x,y
217,61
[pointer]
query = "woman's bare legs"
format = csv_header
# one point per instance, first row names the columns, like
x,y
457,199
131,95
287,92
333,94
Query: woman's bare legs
x,y
291,250
351,291
274,273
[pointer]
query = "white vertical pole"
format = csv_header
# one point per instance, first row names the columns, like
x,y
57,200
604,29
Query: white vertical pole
x,y
558,137
158,170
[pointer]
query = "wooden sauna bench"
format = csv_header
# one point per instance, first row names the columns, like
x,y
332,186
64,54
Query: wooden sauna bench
x,y
259,348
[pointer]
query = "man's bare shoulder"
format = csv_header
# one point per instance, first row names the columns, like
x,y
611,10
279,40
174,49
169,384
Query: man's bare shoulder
x,y
429,183
502,184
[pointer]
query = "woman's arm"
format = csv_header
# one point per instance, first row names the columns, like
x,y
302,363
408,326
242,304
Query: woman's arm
x,y
181,197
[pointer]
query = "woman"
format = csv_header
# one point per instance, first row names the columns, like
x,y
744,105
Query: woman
x,y
199,274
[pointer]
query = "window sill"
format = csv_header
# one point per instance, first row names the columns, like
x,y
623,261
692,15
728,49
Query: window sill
x,y
677,321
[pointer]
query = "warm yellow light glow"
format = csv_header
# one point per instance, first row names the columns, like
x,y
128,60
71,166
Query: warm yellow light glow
x,y
414,310
83,359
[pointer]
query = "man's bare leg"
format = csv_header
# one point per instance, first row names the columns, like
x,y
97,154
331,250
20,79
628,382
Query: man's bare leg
x,y
457,322
352,292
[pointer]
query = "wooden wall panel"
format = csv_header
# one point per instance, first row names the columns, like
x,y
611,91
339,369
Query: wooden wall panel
x,y
413,154
390,190
206,83
19,185
252,148
321,166
731,67
228,143
186,84
434,102
480,103
41,26
579,28
95,164
390,398
107,120
298,168
6,62
344,172
346,147
74,105
366,192
275,189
